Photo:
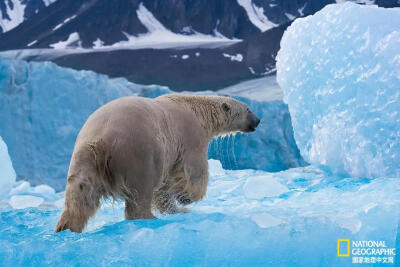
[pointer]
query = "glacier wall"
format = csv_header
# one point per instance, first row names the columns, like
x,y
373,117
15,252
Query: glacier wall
x,y
340,71
43,106
270,148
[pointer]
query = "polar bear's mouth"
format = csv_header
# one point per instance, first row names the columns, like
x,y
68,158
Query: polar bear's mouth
x,y
250,129
253,125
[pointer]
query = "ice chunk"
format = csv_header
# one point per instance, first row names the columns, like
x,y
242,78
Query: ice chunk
x,y
265,220
25,201
44,190
215,167
7,173
340,71
263,186
23,188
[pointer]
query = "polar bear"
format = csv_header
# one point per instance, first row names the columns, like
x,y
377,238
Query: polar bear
x,y
151,153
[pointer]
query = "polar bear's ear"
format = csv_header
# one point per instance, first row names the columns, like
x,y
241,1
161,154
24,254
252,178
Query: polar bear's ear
x,y
226,107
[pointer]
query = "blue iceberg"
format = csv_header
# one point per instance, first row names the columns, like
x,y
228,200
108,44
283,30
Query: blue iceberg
x,y
340,71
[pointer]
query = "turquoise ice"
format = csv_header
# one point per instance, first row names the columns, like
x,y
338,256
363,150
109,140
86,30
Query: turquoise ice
x,y
340,71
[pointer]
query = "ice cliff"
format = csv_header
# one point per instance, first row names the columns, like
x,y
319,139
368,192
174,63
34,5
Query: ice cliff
x,y
340,71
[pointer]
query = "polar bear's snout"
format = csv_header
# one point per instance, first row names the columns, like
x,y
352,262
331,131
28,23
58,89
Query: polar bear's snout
x,y
253,122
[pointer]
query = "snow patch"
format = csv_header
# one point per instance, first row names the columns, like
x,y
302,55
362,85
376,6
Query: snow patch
x,y
365,2
290,16
48,2
72,41
15,10
158,35
64,22
237,57
32,43
256,15
98,43
301,10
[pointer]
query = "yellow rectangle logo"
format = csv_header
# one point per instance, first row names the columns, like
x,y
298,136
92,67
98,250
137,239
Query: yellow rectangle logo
x,y
348,247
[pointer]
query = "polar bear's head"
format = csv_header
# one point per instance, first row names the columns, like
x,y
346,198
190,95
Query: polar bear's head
x,y
239,117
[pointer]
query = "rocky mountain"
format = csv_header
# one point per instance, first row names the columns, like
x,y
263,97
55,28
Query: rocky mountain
x,y
185,44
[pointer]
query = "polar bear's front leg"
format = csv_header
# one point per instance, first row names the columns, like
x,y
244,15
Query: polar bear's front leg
x,y
196,176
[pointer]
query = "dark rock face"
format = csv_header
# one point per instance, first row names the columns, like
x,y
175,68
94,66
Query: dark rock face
x,y
110,22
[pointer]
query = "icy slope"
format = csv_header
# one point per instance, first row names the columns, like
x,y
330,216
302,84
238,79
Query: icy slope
x,y
340,71
249,218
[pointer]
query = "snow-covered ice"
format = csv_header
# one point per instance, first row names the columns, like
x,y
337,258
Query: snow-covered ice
x,y
340,71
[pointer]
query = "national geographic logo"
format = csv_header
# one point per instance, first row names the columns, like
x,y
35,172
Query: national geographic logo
x,y
366,251
345,242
